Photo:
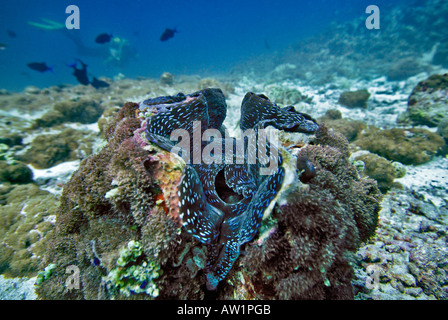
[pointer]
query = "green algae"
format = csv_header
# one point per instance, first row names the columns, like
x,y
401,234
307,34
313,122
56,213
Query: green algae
x,y
45,274
134,273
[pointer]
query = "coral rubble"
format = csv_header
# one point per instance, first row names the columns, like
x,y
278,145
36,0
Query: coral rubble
x,y
411,264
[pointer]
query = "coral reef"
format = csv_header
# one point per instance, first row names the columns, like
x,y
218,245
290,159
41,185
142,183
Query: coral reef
x,y
413,263
119,214
429,268
12,131
348,49
442,129
119,220
354,99
11,139
133,274
115,197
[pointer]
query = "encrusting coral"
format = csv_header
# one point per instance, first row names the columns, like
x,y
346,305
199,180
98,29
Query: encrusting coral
x,y
119,218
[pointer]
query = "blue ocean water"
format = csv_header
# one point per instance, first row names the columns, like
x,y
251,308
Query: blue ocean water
x,y
213,36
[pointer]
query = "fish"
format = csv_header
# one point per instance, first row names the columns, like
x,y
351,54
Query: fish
x,y
3,46
266,44
11,33
222,204
39,66
80,74
103,38
96,83
168,34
